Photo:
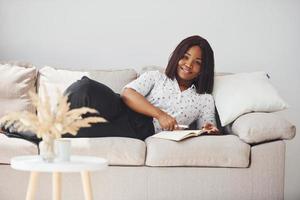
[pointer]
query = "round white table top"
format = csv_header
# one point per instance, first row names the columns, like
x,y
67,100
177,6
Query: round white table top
x,y
76,164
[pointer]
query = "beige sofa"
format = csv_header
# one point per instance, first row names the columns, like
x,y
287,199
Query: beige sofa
x,y
247,163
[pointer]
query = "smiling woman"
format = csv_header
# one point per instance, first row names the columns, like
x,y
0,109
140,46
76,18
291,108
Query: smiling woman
x,y
155,101
189,67
194,55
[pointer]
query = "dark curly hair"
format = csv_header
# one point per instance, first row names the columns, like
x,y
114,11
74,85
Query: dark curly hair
x,y
205,81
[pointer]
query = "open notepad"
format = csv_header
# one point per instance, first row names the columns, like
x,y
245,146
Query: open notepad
x,y
178,135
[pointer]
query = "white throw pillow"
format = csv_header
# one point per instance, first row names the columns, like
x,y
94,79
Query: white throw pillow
x,y
242,93
53,79
61,79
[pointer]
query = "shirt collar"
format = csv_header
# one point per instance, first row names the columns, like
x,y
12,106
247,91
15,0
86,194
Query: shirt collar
x,y
192,87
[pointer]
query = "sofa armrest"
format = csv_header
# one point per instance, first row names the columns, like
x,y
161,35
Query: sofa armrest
x,y
259,127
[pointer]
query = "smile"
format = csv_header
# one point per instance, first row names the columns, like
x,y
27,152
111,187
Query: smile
x,y
185,70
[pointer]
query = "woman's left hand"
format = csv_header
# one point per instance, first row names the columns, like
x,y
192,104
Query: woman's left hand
x,y
210,128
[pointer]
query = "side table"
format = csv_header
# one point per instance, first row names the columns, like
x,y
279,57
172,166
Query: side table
x,y
82,164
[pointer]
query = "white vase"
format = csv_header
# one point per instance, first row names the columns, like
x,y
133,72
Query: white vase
x,y
46,147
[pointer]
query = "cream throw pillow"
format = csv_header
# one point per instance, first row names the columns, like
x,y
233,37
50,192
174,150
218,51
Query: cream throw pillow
x,y
15,83
242,93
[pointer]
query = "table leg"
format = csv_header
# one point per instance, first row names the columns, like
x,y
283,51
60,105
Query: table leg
x,y
32,185
87,186
56,187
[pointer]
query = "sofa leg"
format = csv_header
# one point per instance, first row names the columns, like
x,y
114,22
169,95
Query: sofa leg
x,y
86,183
31,190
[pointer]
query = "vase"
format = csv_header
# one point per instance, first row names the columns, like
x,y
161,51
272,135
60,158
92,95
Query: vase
x,y
46,147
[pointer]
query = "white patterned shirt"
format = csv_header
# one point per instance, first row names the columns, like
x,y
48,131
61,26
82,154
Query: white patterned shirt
x,y
164,93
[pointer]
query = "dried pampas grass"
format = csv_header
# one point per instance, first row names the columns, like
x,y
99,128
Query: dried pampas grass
x,y
55,123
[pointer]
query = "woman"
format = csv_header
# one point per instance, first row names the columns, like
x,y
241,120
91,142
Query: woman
x,y
154,101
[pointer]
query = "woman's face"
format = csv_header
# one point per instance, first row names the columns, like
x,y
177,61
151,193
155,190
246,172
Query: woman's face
x,y
190,65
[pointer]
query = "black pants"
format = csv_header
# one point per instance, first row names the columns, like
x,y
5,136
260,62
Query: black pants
x,y
122,121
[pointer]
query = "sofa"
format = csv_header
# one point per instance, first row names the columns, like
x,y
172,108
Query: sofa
x,y
246,161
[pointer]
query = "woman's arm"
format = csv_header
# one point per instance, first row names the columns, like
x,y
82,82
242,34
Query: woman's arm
x,y
140,104
207,119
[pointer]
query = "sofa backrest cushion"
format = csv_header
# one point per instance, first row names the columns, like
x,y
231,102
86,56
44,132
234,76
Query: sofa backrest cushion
x,y
53,79
15,84
115,79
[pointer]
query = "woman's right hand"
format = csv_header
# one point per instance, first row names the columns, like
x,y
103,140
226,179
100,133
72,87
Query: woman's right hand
x,y
166,121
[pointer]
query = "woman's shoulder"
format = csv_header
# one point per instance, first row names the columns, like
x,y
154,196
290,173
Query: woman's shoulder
x,y
154,74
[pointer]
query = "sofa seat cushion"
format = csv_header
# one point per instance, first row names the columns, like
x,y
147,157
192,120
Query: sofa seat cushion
x,y
11,147
208,150
117,150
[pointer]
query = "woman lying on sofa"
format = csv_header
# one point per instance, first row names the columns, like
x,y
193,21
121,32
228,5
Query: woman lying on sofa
x,y
155,101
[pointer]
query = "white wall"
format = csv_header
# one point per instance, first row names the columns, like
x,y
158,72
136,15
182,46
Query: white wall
x,y
245,35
